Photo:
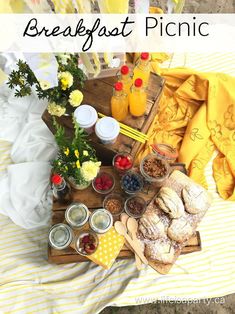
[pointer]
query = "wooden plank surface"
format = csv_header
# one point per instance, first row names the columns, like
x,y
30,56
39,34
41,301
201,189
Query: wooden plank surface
x,y
94,200
98,93
70,255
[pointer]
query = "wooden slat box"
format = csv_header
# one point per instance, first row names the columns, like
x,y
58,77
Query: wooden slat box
x,y
98,93
94,200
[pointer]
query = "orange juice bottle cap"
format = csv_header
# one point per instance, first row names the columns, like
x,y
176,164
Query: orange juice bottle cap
x,y
118,86
124,69
138,82
144,56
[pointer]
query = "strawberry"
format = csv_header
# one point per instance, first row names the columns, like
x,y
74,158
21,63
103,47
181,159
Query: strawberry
x,y
118,159
122,162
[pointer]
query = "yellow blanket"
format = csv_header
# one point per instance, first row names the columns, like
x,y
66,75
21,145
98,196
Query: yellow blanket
x,y
197,115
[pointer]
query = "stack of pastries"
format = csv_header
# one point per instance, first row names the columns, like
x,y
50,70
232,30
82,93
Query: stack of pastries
x,y
172,218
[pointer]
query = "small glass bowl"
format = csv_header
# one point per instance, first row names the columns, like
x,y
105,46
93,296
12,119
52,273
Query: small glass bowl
x,y
108,206
116,167
80,247
158,180
101,175
125,181
136,201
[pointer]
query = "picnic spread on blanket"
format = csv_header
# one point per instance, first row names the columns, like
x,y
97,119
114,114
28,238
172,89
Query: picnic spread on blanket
x,y
140,188
106,164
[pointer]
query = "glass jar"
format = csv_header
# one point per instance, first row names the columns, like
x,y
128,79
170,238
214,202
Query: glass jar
x,y
132,182
85,243
101,220
114,203
122,162
165,152
135,206
77,215
154,170
60,236
104,183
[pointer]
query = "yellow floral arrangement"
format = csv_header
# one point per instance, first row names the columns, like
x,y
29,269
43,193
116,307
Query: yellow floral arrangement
x,y
76,158
70,79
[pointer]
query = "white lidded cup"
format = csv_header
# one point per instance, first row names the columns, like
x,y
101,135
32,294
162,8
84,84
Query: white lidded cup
x,y
107,129
86,116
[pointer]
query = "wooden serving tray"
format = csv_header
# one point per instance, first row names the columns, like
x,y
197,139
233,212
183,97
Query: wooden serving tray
x,y
94,200
98,93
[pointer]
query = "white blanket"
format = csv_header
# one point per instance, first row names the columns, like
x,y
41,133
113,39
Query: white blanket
x,y
25,186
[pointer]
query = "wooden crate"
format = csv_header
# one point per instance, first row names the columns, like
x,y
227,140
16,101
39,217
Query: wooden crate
x,y
94,200
98,93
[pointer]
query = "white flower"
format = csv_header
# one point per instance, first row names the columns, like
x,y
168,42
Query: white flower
x,y
90,169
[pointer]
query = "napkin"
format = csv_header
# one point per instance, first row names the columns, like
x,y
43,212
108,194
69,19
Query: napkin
x,y
110,244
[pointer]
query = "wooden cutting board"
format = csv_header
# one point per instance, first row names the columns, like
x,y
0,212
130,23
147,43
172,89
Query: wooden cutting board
x,y
94,200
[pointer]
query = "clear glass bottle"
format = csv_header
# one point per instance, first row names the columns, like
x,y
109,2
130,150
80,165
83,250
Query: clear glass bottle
x,y
126,79
137,99
142,69
61,190
119,102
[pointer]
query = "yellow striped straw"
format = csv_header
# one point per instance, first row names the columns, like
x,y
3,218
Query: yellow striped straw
x,y
130,130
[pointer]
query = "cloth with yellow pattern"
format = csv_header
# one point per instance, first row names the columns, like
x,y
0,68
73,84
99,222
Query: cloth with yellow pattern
x,y
197,115
110,244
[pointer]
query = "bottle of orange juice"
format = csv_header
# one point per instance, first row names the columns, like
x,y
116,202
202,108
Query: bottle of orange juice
x,y
126,79
119,102
137,99
142,68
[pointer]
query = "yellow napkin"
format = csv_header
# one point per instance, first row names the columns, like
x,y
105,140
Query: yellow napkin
x,y
197,115
110,244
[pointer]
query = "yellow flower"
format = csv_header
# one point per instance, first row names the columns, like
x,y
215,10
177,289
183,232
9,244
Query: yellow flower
x,y
55,110
90,170
75,98
85,153
78,164
44,84
66,79
66,151
76,153
66,168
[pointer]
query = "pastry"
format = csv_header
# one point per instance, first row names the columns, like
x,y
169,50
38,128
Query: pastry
x,y
151,226
170,203
195,198
160,250
180,230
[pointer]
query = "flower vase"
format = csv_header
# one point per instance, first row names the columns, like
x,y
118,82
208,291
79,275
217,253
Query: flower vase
x,y
76,186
